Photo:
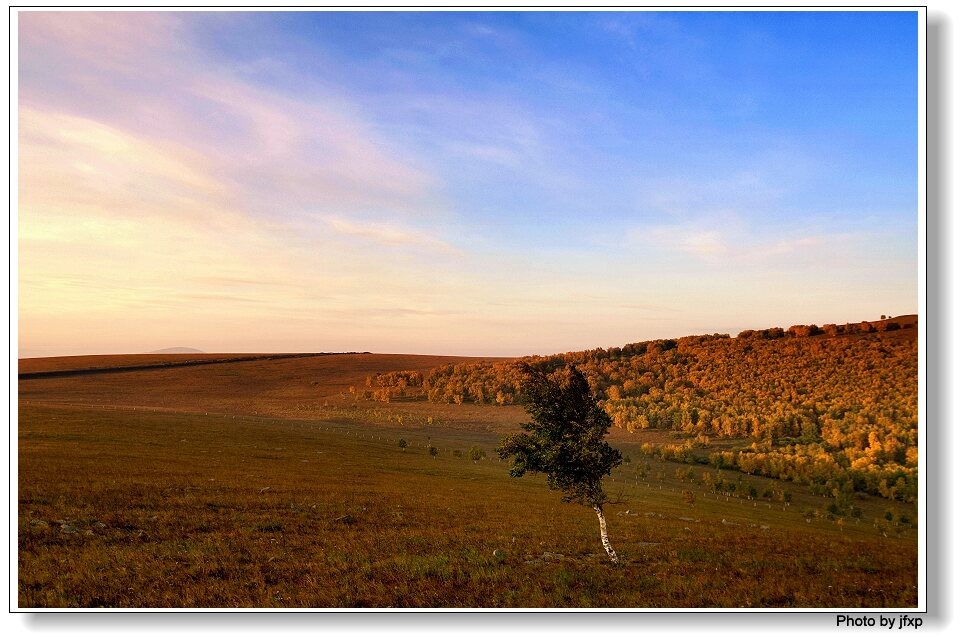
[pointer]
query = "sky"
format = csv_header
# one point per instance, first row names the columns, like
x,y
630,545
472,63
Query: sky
x,y
472,183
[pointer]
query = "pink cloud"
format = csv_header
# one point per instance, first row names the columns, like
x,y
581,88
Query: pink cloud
x,y
138,73
119,41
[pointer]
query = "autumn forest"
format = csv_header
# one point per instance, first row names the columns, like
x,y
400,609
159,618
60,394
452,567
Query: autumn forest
x,y
832,407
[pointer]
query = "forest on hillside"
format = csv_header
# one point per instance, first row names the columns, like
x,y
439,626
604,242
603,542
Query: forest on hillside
x,y
833,407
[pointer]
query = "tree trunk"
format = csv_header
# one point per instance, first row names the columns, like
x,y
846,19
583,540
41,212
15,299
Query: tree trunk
x,y
605,535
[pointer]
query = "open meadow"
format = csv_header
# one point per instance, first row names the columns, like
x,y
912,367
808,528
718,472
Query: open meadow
x,y
268,484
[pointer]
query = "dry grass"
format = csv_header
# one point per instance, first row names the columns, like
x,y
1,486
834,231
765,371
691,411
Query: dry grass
x,y
124,508
309,388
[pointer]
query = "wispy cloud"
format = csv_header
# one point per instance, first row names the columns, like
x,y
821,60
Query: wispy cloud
x,y
759,179
270,149
368,176
387,234
501,155
732,242
69,162
176,184
118,41
309,153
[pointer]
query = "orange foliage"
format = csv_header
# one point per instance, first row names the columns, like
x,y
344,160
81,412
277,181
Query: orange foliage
x,y
832,404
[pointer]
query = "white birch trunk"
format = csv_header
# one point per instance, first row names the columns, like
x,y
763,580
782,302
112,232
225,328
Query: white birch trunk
x,y
605,536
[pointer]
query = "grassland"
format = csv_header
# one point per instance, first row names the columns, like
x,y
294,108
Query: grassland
x,y
314,388
266,484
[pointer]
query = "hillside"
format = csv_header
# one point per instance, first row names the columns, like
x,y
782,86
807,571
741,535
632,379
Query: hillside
x,y
835,410
266,480
834,407
278,385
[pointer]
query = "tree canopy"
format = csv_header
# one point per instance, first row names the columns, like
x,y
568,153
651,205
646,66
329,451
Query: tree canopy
x,y
566,436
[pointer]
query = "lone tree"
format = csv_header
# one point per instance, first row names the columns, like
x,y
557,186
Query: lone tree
x,y
566,440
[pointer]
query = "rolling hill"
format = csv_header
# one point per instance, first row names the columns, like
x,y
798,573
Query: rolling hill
x,y
271,480
834,407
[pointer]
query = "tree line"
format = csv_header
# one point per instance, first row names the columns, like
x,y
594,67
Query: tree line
x,y
833,407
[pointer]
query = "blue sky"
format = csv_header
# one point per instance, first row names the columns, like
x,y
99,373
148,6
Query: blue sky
x,y
466,183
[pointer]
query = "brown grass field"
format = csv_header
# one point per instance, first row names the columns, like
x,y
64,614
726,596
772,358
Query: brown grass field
x,y
268,484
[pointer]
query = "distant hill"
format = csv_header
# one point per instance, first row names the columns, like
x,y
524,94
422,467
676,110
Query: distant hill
x,y
177,350
834,406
